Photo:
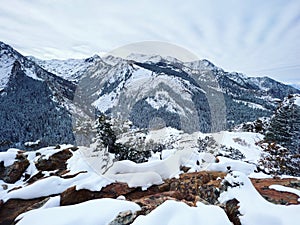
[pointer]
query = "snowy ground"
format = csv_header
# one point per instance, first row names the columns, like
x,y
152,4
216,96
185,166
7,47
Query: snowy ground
x,y
181,151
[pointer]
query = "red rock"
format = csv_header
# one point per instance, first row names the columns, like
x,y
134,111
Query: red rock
x,y
14,207
14,172
72,196
55,162
232,211
277,197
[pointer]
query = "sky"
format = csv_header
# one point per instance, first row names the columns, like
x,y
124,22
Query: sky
x,y
255,37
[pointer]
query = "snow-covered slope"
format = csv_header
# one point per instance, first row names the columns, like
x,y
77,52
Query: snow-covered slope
x,y
70,69
150,90
34,103
64,174
185,95
6,65
8,56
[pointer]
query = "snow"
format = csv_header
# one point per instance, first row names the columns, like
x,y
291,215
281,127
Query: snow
x,y
245,142
164,135
259,175
253,207
32,143
180,150
94,212
143,83
297,100
30,73
52,202
69,69
6,64
165,168
178,213
55,185
49,151
161,100
8,157
87,178
144,58
136,179
285,189
251,104
225,163
106,101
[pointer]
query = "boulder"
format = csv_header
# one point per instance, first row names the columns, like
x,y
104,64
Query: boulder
x,y
55,162
72,196
14,172
14,207
124,218
232,210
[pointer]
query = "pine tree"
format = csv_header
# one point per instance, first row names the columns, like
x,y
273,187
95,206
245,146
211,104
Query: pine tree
x,y
284,127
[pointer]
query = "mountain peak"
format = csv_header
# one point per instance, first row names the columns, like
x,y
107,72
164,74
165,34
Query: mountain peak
x,y
144,58
94,58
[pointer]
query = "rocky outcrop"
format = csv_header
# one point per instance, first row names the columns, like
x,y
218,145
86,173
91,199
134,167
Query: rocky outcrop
x,y
277,197
13,173
55,162
14,207
72,196
190,188
232,210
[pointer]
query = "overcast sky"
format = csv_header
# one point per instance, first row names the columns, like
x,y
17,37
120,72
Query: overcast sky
x,y
256,37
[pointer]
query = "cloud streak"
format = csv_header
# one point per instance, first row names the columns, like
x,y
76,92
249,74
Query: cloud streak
x,y
254,37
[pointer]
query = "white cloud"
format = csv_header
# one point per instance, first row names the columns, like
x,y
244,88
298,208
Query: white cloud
x,y
253,36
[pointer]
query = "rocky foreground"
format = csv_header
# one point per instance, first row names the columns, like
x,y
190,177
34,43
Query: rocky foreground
x,y
189,187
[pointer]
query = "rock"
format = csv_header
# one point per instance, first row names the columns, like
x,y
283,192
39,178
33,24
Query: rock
x,y
202,184
38,204
232,211
276,197
149,203
55,162
185,169
35,177
72,196
124,218
14,172
14,207
189,187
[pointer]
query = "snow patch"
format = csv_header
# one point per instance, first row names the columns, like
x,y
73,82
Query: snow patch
x,y
30,73
253,207
297,100
93,212
8,157
251,104
178,213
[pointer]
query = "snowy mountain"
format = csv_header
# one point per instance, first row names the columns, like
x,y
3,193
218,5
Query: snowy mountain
x,y
33,102
152,145
190,96
70,69
39,98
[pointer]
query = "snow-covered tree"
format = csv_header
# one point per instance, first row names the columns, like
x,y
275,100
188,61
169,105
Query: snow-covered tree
x,y
284,127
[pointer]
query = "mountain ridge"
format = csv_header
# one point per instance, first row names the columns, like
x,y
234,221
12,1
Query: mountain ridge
x,y
148,90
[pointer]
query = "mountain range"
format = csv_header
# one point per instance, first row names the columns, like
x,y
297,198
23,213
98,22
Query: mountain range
x,y
51,100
